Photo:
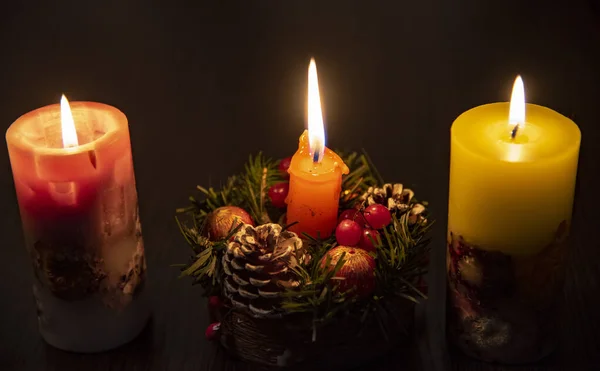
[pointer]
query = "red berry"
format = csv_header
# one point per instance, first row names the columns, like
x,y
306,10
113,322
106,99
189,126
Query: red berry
x,y
214,308
212,331
355,215
284,165
378,216
367,236
214,302
278,193
348,233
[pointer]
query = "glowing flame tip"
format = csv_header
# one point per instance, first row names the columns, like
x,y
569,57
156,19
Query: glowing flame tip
x,y
316,130
67,124
516,115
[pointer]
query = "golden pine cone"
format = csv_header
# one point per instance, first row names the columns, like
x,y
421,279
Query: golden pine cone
x,y
257,263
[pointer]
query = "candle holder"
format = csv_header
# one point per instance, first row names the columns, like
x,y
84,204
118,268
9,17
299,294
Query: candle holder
x,y
504,308
281,298
79,211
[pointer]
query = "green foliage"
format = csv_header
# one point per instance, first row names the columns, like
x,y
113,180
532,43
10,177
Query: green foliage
x,y
362,176
402,258
246,190
318,293
401,255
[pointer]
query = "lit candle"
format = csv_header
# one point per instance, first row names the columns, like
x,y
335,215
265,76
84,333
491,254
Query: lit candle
x,y
315,173
512,181
73,174
512,174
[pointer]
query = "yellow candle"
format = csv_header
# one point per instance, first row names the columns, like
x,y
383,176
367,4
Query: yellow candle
x,y
315,174
512,175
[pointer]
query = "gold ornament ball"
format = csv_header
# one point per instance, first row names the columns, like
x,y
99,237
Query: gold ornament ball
x,y
358,271
222,220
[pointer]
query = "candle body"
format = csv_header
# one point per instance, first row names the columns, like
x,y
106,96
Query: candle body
x,y
510,205
314,193
511,195
80,218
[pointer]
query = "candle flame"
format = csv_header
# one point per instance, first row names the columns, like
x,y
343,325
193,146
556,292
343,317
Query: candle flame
x,y
516,118
516,115
67,125
316,130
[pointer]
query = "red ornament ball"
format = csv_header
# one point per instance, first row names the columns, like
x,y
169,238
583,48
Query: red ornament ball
x,y
222,220
215,302
367,238
278,193
348,233
214,308
284,165
355,215
358,270
212,331
378,216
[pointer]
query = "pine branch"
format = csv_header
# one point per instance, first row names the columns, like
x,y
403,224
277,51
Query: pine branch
x,y
362,175
400,252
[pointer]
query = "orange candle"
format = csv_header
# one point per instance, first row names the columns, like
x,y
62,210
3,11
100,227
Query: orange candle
x,y
315,174
73,174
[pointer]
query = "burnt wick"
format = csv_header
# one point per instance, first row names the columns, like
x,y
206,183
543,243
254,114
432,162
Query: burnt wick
x,y
513,133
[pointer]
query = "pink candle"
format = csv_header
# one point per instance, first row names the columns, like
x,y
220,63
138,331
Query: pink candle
x,y
73,174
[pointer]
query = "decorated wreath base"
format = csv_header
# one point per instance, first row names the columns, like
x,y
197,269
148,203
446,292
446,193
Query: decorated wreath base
x,y
282,299
288,342
503,308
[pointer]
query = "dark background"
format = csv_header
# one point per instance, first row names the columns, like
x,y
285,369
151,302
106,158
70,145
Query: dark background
x,y
204,84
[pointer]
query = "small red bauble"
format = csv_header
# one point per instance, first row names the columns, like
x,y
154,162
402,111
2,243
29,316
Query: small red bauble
x,y
355,215
348,233
221,221
365,241
284,165
278,193
215,302
378,216
214,308
212,331
358,270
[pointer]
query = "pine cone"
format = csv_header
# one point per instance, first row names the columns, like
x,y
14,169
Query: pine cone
x,y
257,263
396,198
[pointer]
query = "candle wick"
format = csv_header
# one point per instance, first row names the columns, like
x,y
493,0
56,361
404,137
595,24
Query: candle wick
x,y
316,156
513,133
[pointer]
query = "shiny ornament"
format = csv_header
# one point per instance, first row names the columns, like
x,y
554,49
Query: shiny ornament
x,y
278,193
348,233
223,220
215,305
378,216
368,237
358,270
354,215
215,302
284,165
212,331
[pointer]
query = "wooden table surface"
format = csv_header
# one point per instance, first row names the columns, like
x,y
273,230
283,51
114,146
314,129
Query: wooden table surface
x,y
205,84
